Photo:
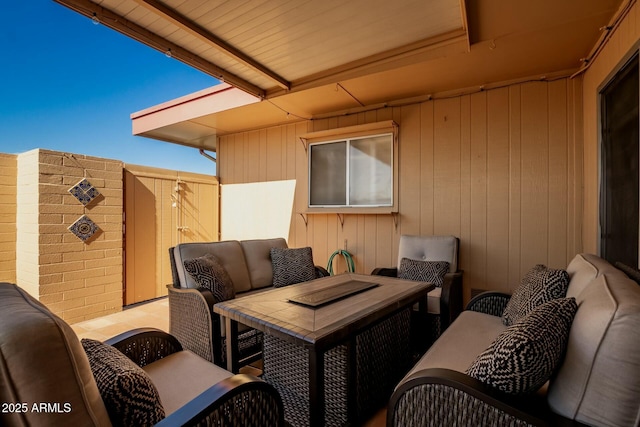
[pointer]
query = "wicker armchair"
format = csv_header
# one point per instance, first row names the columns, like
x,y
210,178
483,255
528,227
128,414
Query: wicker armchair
x,y
199,329
237,400
445,303
42,360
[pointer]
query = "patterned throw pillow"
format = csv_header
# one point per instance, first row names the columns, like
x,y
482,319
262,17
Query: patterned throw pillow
x,y
423,271
539,285
525,355
291,266
210,274
127,391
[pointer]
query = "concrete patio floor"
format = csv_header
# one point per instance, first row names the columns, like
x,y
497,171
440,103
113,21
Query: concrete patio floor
x,y
155,314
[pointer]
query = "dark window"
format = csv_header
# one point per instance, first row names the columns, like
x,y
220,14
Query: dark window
x,y
619,155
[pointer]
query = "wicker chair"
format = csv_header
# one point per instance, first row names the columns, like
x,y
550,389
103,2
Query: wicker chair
x,y
42,361
193,322
445,303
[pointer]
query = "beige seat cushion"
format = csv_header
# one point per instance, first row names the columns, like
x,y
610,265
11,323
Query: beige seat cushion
x,y
433,301
230,255
458,346
181,377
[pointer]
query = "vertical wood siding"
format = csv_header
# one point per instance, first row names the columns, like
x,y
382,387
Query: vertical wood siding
x,y
498,168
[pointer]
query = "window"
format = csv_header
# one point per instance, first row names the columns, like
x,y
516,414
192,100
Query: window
x,y
620,182
354,172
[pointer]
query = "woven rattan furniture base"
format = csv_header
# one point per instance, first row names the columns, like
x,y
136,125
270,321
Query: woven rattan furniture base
x,y
336,364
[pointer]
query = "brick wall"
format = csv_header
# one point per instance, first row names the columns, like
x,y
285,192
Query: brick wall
x,y
75,279
8,172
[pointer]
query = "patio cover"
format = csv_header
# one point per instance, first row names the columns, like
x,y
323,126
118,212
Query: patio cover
x,y
298,60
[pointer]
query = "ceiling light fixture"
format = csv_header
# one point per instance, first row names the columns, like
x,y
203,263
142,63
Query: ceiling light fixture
x,y
95,19
168,53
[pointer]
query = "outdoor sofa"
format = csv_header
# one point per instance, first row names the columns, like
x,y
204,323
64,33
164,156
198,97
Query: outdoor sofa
x,y
597,381
142,377
251,269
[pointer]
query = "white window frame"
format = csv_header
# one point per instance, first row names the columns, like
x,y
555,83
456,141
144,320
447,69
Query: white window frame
x,y
347,135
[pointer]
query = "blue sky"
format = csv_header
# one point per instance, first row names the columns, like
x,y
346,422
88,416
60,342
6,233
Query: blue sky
x,y
69,85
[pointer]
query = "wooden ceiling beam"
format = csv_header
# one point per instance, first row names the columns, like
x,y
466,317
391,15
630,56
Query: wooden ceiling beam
x,y
453,42
136,32
205,35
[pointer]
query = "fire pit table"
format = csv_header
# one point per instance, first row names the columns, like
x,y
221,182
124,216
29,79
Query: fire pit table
x,y
333,347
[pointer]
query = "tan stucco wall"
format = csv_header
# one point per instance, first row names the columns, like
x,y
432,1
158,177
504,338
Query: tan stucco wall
x,y
76,280
501,169
8,175
624,39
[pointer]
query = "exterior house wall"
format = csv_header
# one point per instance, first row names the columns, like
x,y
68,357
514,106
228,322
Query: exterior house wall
x,y
624,39
8,176
501,169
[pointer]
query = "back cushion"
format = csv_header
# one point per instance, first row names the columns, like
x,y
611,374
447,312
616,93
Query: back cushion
x,y
583,269
581,272
230,255
41,360
259,260
597,383
429,248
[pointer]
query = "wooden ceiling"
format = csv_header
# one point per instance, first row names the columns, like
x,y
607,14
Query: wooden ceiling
x,y
304,59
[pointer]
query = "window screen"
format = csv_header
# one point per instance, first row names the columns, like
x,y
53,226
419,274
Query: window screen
x,y
352,172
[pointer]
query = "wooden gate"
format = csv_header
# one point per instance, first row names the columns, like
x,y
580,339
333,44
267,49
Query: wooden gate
x,y
161,209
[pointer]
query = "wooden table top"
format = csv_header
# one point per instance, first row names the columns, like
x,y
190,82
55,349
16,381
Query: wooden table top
x,y
271,312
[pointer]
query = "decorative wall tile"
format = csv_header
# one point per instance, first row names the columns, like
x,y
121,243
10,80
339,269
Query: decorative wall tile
x,y
84,228
84,192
